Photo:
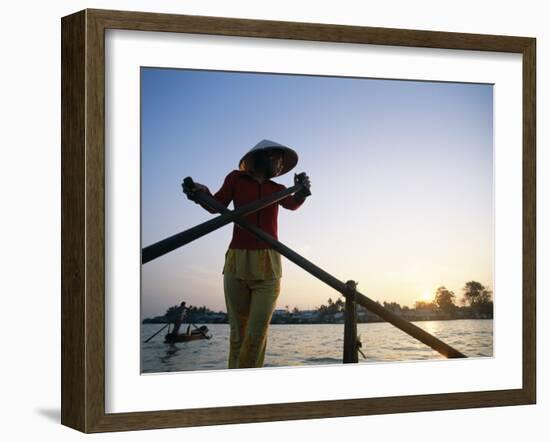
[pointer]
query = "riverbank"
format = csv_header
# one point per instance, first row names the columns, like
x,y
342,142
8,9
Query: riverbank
x,y
338,318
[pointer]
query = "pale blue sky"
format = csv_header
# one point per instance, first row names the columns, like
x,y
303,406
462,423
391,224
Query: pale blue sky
x,y
401,175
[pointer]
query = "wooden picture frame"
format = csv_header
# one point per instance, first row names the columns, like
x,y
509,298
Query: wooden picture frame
x,y
83,220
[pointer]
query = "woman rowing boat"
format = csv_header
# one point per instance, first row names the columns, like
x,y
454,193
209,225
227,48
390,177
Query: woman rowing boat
x,y
252,270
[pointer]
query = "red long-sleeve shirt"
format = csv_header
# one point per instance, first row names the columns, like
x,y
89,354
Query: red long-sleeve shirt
x,y
242,189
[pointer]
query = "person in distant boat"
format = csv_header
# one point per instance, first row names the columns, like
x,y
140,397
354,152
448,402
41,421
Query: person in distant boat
x,y
179,320
252,270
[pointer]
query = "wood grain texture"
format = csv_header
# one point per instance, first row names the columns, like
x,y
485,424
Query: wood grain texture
x,y
529,221
308,410
195,24
95,221
83,219
73,258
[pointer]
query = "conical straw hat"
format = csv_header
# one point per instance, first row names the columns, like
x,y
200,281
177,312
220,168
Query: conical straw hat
x,y
290,157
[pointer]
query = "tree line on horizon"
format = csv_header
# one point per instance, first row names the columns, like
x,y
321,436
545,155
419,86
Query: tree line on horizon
x,y
193,314
477,299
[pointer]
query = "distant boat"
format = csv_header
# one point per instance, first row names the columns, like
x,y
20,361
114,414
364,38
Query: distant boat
x,y
199,333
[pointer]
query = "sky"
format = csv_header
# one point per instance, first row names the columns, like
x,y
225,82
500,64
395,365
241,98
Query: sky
x,y
401,178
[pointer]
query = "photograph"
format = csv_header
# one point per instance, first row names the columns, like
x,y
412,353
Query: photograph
x,y
304,220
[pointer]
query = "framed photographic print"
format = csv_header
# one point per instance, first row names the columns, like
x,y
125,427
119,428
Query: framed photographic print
x,y
270,220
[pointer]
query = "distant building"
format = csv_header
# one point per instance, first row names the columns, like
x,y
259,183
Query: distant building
x,y
306,314
305,317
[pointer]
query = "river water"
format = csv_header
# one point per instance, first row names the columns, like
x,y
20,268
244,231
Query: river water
x,y
315,344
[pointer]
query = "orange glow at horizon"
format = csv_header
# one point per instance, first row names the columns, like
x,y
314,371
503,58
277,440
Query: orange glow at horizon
x,y
426,297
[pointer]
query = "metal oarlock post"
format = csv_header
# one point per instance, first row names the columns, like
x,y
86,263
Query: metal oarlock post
x,y
350,325
160,248
327,278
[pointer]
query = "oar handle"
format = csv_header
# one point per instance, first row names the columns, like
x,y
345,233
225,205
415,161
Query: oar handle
x,y
188,187
299,178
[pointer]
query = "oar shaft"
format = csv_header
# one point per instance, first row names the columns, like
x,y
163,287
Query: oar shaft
x,y
156,333
402,324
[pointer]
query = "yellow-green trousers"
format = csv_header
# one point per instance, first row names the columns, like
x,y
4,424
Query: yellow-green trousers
x,y
250,305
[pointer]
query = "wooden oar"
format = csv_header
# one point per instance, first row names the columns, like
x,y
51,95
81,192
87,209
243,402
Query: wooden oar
x,y
173,242
156,333
394,319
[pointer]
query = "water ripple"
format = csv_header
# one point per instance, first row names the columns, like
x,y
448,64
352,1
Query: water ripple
x,y
315,344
